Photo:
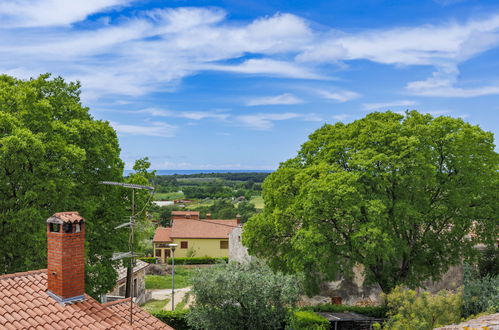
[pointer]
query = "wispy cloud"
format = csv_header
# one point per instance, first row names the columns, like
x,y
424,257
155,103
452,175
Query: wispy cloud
x,y
286,98
388,105
37,13
192,115
264,121
340,96
154,129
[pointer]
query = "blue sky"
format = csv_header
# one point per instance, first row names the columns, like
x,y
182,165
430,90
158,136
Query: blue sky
x,y
241,84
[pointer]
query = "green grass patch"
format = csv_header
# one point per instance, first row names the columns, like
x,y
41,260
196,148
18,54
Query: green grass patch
x,y
168,196
155,306
257,201
165,281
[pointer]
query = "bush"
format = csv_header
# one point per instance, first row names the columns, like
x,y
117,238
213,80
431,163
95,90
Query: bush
x,y
378,312
411,310
149,260
479,294
243,297
176,319
198,260
308,320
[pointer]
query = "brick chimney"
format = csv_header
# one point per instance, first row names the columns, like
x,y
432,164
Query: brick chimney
x,y
238,218
66,257
208,215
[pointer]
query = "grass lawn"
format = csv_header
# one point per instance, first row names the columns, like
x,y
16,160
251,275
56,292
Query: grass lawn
x,y
154,306
257,201
165,281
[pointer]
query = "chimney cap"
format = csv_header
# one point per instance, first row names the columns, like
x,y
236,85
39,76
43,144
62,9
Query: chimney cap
x,y
65,217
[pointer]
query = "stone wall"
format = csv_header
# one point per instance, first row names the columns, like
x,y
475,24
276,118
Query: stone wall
x,y
237,251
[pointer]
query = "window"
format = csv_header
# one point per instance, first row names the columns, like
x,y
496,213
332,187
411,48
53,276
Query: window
x,y
67,227
224,244
54,227
158,253
183,245
167,253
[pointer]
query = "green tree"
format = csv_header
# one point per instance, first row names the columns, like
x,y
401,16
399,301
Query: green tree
x,y
52,156
246,210
405,195
233,296
411,310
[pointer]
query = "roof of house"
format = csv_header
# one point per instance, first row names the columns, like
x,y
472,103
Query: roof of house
x,y
185,213
62,217
139,265
141,318
490,321
162,234
25,304
202,228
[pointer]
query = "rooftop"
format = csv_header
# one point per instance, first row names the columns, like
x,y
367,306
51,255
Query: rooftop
x,y
162,234
25,304
139,265
186,228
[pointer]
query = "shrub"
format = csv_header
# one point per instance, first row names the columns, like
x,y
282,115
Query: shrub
x,y
378,312
149,260
411,310
248,296
308,320
176,319
198,260
479,294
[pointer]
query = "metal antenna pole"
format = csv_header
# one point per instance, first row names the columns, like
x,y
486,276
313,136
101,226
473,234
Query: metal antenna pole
x,y
173,279
132,222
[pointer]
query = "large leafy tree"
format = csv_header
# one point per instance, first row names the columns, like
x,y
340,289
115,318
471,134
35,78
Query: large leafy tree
x,y
405,195
52,156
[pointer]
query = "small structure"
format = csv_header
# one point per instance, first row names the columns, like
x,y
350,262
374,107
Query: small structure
x,y
163,203
139,285
349,320
237,251
194,236
55,298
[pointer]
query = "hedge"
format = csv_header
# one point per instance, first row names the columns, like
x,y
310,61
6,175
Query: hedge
x,y
198,260
378,312
176,319
308,320
149,260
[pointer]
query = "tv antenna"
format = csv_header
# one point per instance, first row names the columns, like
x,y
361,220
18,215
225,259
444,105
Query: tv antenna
x,y
130,254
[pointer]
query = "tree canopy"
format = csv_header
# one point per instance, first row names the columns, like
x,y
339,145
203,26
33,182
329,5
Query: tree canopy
x,y
52,156
405,195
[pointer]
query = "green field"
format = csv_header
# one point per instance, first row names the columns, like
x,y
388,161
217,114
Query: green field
x,y
165,281
257,201
168,196
155,306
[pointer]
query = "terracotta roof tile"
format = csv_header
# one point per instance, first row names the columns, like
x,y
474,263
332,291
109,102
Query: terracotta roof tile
x,y
141,318
185,213
162,234
24,303
71,216
202,228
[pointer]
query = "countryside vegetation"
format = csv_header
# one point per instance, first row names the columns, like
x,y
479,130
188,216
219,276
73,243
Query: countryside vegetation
x,y
404,195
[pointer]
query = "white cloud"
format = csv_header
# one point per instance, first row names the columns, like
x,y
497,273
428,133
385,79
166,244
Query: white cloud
x,y
285,98
268,67
31,13
389,105
155,129
165,165
192,115
264,121
340,96
341,117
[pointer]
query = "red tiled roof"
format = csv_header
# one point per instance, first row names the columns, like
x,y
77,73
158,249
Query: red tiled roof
x,y
162,234
141,318
186,228
185,213
24,303
71,216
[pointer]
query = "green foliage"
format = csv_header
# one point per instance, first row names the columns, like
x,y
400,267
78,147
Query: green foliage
x,y
198,260
378,312
306,320
480,294
176,319
52,156
488,263
182,279
411,310
149,260
155,306
234,296
396,193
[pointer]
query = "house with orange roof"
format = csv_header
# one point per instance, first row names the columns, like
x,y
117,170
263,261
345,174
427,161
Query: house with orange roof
x,y
193,236
54,298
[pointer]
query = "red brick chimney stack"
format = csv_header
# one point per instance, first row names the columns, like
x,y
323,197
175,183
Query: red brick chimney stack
x,y
238,218
66,257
